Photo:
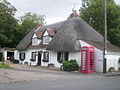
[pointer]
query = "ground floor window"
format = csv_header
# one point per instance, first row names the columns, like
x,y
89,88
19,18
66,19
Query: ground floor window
x,y
46,57
33,57
62,56
22,56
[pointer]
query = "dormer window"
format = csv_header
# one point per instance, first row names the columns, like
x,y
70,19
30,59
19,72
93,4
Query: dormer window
x,y
46,39
34,41
47,36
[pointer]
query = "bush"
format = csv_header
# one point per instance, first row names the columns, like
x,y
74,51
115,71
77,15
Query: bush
x,y
70,65
15,61
5,66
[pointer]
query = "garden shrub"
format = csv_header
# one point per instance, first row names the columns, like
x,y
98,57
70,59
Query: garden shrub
x,y
70,65
15,61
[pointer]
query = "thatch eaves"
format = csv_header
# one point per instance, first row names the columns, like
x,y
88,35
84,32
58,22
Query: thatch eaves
x,y
26,41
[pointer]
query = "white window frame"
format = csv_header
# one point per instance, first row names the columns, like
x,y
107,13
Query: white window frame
x,y
34,41
46,40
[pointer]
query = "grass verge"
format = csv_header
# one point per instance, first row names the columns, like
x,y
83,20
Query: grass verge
x,y
5,66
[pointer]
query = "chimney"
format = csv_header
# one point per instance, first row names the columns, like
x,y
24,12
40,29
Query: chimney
x,y
73,14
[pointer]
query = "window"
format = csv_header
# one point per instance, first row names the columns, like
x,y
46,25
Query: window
x,y
34,41
46,39
33,58
46,57
22,56
62,56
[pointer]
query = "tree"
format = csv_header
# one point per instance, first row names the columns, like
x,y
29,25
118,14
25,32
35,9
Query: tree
x,y
8,24
28,22
92,13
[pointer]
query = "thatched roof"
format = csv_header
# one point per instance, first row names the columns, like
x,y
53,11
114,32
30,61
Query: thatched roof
x,y
67,36
26,41
99,45
65,39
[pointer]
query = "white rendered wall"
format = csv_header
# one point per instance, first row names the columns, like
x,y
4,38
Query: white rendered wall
x,y
112,60
76,56
72,55
28,54
5,54
46,33
16,54
53,59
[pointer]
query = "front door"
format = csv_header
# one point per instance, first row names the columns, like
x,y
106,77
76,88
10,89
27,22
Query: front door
x,y
39,58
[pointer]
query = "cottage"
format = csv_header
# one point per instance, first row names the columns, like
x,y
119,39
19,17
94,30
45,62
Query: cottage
x,y
63,41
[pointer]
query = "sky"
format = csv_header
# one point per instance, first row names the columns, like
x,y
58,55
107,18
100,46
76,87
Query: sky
x,y
54,10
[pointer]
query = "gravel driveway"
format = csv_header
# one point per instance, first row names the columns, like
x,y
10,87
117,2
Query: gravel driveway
x,y
29,73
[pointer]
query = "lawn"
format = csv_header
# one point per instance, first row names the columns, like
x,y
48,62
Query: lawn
x,y
5,66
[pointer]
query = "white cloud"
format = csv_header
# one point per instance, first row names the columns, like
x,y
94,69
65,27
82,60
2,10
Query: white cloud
x,y
54,10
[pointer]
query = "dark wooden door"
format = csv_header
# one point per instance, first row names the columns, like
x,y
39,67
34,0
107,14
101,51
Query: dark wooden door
x,y
39,58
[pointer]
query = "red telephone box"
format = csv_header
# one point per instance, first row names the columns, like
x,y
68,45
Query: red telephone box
x,y
87,59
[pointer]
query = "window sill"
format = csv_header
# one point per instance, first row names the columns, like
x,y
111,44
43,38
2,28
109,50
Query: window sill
x,y
45,60
32,60
21,59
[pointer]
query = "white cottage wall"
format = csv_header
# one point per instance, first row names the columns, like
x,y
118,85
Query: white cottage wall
x,y
76,56
5,55
53,59
112,60
16,54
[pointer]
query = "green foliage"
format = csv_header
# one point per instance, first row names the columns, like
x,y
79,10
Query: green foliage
x,y
8,23
15,61
70,65
28,22
93,14
5,66
12,30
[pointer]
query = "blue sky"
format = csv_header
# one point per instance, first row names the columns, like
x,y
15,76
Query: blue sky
x,y
54,10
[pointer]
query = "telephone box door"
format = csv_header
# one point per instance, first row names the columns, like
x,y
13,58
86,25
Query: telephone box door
x,y
87,60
